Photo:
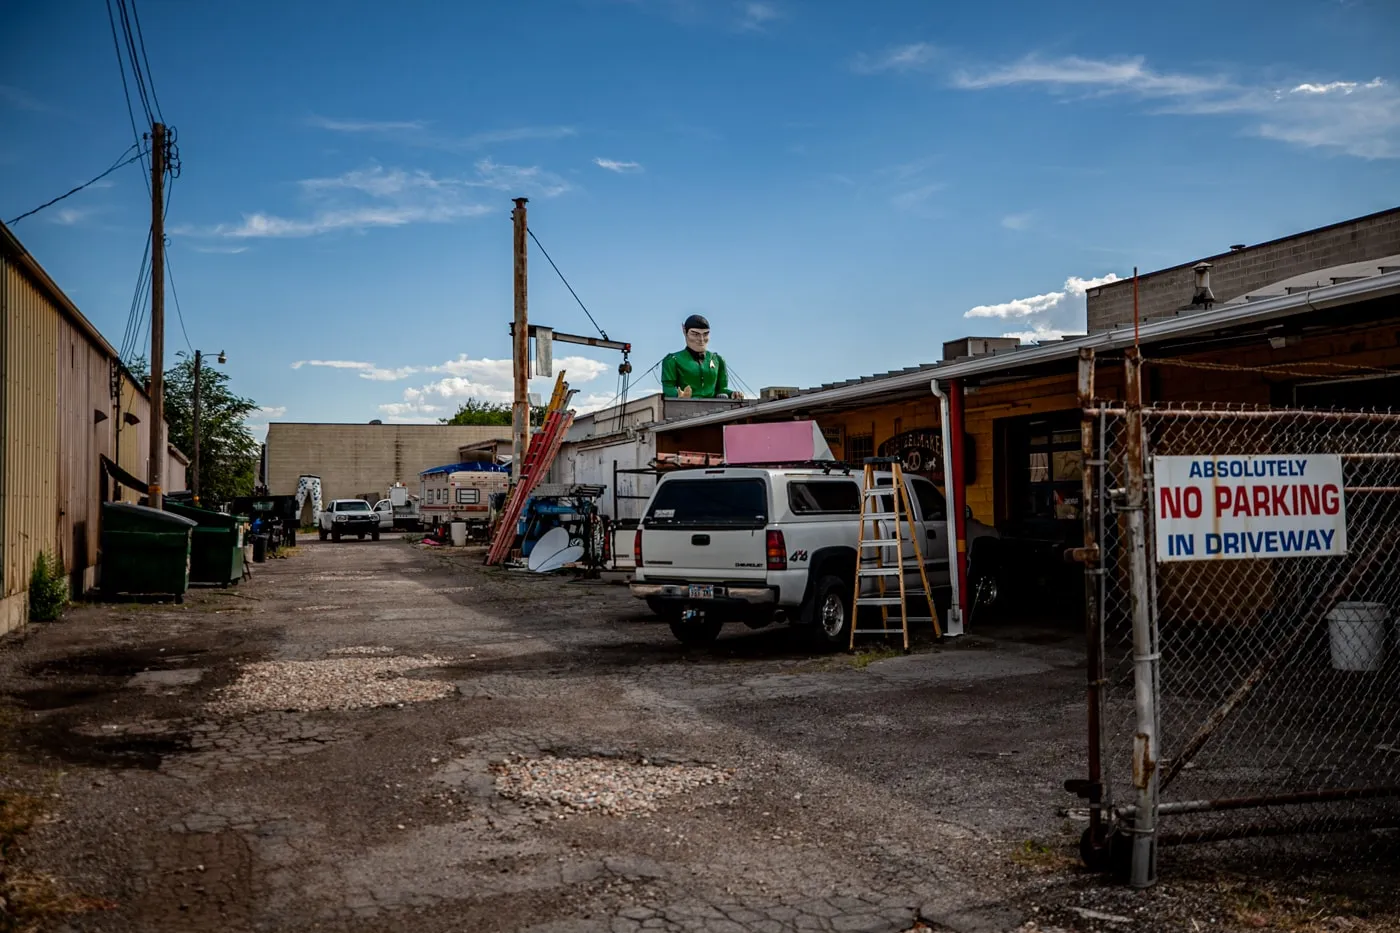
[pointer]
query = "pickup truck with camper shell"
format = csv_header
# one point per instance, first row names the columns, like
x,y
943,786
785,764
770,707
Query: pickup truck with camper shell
x,y
759,545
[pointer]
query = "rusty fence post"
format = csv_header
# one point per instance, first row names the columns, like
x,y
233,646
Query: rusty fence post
x,y
1095,789
1145,744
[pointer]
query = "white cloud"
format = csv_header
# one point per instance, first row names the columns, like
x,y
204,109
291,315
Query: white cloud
x,y
531,179
1041,332
273,411
1346,87
365,370
366,126
907,200
418,133
71,216
1048,316
487,380
755,15
1351,117
363,199
622,168
1128,74
1077,286
1019,307
901,58
1016,221
270,225
20,99
222,250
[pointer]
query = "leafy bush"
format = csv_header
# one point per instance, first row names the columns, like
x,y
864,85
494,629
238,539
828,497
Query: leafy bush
x,y
48,589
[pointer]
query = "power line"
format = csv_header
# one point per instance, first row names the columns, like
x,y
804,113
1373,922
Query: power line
x,y
566,283
126,90
116,165
143,281
176,295
740,379
135,64
135,14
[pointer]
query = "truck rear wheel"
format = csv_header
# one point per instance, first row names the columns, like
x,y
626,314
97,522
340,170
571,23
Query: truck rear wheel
x,y
696,633
828,617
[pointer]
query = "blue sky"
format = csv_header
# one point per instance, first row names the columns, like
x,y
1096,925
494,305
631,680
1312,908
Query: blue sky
x,y
839,187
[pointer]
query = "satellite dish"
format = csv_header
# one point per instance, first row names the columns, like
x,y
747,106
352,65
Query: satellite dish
x,y
554,542
570,554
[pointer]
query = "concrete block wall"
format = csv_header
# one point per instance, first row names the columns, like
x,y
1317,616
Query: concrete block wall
x,y
1164,294
352,459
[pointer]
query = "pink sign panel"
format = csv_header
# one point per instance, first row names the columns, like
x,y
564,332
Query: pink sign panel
x,y
776,442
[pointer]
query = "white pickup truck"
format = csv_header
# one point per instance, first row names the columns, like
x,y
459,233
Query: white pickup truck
x,y
764,544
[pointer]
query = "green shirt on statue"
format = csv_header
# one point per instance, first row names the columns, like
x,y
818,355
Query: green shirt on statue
x,y
705,376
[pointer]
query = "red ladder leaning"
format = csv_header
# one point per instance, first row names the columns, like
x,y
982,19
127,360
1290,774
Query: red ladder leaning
x,y
544,447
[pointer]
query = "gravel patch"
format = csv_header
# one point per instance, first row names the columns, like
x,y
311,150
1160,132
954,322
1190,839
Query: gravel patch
x,y
598,785
362,649
334,684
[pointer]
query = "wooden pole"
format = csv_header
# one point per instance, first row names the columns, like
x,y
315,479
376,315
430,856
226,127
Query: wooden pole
x,y
520,415
155,474
194,482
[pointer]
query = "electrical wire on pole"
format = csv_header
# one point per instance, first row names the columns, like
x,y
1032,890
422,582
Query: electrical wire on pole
x,y
121,161
600,330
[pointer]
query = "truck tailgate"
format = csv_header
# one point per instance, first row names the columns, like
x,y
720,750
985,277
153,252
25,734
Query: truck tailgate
x,y
706,529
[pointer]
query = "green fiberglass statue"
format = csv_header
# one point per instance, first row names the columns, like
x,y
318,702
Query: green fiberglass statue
x,y
695,372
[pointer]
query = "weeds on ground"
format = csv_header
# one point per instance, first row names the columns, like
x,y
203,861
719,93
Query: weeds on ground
x,y
48,589
1042,856
30,901
287,552
1300,911
868,656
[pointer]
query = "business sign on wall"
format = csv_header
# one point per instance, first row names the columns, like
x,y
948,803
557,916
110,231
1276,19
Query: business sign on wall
x,y
1259,506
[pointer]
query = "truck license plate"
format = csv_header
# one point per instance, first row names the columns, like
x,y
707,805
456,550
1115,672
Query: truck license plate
x,y
702,591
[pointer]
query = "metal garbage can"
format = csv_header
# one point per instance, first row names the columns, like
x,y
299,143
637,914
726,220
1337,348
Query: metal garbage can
x,y
216,549
259,548
144,551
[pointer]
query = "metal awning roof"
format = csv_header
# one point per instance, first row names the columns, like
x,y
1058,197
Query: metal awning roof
x,y
1221,318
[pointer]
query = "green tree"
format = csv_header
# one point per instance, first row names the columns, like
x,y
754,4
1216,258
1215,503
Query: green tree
x,y
228,453
473,411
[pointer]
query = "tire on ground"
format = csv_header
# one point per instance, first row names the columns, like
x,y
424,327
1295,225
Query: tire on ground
x,y
696,634
828,614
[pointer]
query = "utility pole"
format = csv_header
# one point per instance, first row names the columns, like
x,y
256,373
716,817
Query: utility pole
x,y
198,401
194,481
156,471
521,408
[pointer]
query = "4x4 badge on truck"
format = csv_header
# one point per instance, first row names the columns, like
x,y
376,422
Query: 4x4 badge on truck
x,y
796,557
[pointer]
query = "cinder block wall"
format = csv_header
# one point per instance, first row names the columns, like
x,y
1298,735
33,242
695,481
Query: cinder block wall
x,y
1163,294
352,459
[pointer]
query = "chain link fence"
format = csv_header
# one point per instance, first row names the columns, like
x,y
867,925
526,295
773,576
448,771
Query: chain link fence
x,y
1247,691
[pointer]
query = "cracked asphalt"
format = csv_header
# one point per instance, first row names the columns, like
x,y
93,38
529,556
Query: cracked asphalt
x,y
865,795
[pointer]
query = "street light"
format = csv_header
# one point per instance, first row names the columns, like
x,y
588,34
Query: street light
x,y
198,364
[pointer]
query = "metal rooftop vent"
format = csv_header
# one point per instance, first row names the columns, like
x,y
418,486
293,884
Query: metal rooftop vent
x,y
1203,296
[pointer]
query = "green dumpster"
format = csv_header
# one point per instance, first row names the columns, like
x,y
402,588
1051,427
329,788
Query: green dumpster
x,y
144,551
216,551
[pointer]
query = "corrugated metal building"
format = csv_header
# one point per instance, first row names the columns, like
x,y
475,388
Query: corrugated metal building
x,y
65,404
364,459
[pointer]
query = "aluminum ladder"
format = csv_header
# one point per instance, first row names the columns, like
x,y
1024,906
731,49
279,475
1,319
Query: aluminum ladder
x,y
877,519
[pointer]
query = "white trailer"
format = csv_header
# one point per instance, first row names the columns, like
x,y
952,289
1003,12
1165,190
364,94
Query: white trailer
x,y
461,492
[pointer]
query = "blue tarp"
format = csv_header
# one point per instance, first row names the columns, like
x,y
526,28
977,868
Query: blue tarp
x,y
471,466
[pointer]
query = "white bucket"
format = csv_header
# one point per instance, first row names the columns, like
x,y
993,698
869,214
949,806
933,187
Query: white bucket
x,y
459,534
1358,635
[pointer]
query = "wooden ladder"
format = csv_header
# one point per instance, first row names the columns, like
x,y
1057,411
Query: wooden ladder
x,y
874,515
